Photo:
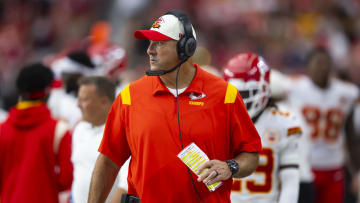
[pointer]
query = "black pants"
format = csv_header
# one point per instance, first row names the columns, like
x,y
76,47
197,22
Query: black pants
x,y
306,193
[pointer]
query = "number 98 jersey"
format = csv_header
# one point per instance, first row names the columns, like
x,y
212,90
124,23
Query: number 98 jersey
x,y
324,112
279,136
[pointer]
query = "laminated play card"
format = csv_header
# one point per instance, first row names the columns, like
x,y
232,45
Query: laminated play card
x,y
193,157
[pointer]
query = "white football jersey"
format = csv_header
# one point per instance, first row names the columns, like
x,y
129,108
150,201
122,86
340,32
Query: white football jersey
x,y
324,111
304,144
279,136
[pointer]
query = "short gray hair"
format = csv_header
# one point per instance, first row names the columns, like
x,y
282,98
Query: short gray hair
x,y
104,86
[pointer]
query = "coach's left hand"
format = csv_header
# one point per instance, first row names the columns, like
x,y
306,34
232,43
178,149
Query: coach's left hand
x,y
213,171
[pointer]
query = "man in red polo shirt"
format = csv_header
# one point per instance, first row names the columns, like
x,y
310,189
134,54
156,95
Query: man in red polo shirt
x,y
157,116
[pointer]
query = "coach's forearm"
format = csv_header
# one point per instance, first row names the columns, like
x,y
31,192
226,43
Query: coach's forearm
x,y
102,179
248,162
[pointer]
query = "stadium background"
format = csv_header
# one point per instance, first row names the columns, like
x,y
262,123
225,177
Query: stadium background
x,y
281,31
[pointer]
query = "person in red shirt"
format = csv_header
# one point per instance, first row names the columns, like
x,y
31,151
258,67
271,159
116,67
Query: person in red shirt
x,y
35,149
156,117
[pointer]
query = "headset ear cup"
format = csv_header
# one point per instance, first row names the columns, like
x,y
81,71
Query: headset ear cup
x,y
181,48
186,47
190,47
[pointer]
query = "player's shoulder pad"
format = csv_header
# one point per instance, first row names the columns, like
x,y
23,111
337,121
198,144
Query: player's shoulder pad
x,y
348,87
285,120
279,113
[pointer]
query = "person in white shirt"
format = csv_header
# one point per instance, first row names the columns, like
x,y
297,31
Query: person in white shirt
x,y
277,177
95,98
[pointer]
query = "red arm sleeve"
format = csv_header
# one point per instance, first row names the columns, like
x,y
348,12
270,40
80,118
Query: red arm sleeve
x,y
114,144
243,133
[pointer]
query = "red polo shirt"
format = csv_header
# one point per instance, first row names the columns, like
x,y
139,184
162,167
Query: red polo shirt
x,y
143,123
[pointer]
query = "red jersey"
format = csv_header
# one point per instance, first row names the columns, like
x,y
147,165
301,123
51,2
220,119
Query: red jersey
x,y
143,122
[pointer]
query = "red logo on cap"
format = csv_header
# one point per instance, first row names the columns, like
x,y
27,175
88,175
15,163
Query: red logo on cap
x,y
156,24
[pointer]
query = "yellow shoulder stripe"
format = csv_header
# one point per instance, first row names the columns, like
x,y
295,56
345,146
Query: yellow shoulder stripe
x,y
231,93
125,95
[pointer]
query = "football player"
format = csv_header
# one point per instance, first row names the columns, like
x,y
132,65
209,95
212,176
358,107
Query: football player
x,y
324,103
277,177
279,88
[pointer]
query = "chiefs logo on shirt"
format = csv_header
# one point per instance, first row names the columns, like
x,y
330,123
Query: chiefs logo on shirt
x,y
156,24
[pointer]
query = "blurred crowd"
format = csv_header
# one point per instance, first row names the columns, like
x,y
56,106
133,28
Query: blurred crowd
x,y
98,35
281,31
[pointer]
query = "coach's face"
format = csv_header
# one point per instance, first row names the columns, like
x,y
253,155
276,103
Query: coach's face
x,y
162,54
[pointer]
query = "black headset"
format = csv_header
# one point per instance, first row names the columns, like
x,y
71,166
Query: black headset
x,y
186,45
